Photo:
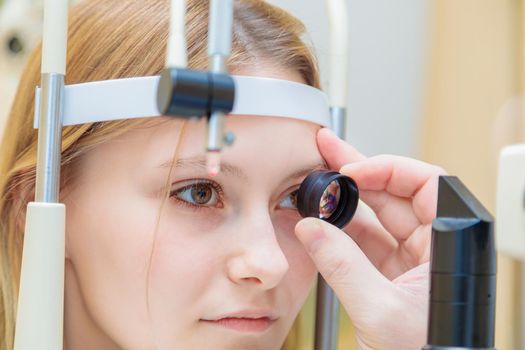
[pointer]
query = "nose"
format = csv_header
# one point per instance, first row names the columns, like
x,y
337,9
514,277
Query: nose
x,y
258,259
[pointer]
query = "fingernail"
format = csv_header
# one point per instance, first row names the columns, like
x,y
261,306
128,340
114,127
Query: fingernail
x,y
350,168
345,168
311,233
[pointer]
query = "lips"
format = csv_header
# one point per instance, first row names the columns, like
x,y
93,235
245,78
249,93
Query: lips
x,y
244,321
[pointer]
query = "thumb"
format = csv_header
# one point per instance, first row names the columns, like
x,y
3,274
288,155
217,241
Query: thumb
x,y
336,152
358,284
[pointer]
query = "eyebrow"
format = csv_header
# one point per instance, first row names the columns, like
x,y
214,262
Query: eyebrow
x,y
303,172
199,163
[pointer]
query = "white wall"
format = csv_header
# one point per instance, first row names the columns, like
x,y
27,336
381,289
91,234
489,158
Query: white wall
x,y
21,19
387,55
387,43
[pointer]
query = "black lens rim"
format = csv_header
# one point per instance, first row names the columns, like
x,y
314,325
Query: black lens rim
x,y
312,189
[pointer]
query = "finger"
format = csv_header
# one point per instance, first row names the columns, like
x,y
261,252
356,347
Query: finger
x,y
335,151
401,177
395,214
357,283
418,245
381,240
368,233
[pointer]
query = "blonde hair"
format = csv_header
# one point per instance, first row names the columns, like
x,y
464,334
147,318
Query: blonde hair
x,y
111,39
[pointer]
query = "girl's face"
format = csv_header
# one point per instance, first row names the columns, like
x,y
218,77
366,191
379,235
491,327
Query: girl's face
x,y
220,268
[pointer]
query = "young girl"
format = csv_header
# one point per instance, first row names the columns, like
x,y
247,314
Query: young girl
x,y
159,255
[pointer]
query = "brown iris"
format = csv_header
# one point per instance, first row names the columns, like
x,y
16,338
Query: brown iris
x,y
293,198
201,193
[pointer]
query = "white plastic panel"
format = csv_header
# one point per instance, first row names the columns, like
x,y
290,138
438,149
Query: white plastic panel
x,y
39,322
510,202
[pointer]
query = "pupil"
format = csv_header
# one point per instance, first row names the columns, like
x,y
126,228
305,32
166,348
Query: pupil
x,y
329,200
201,194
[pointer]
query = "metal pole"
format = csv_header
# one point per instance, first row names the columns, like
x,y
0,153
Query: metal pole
x,y
327,305
49,138
219,47
521,332
327,317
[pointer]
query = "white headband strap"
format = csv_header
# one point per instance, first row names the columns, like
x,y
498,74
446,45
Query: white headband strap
x,y
136,98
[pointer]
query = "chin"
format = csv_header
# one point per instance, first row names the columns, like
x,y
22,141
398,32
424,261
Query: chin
x,y
220,338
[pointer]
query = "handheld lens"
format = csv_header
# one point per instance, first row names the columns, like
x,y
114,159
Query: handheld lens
x,y
328,195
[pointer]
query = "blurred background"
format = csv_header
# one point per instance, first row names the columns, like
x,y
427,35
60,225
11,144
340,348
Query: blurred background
x,y
439,80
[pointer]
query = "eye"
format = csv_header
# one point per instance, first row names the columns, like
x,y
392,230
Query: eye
x,y
290,201
198,194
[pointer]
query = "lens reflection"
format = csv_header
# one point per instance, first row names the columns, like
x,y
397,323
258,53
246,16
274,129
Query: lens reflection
x,y
329,200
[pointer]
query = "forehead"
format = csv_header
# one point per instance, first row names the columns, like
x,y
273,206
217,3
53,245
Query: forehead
x,y
266,153
263,145
270,137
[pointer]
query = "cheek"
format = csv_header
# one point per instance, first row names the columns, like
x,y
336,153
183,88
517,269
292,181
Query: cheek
x,y
186,248
185,263
108,245
175,214
302,270
182,251
284,221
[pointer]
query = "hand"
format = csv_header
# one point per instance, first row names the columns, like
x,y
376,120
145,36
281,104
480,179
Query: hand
x,y
379,268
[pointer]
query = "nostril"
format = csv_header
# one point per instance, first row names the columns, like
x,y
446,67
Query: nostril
x,y
252,280
14,45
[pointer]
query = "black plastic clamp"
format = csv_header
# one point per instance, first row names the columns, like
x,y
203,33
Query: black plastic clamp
x,y
189,93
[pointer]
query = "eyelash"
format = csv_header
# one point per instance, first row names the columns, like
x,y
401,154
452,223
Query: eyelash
x,y
196,182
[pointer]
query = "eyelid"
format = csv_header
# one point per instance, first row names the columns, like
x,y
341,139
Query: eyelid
x,y
196,181
292,189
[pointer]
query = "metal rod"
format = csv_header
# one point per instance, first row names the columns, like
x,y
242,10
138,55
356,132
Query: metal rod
x,y
219,49
49,138
338,115
327,317
521,332
216,121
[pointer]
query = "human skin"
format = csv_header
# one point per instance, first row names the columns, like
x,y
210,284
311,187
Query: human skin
x,y
228,274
